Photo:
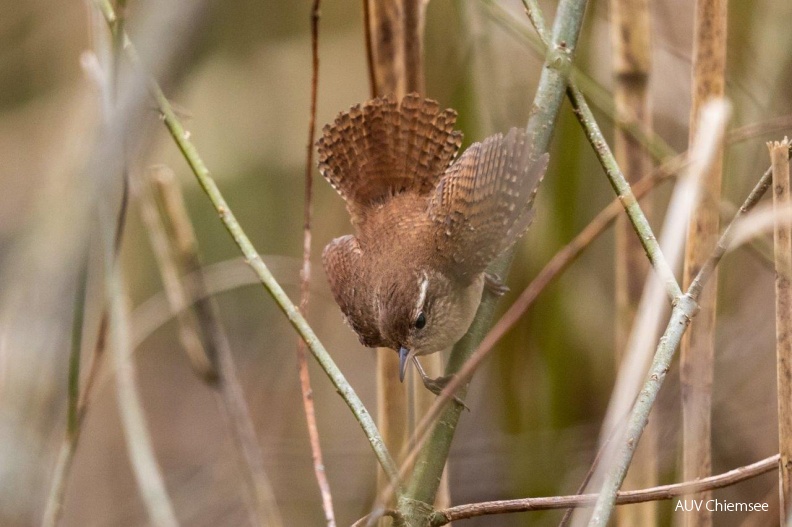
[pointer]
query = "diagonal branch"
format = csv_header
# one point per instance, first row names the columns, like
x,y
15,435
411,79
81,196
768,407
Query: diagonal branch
x,y
253,259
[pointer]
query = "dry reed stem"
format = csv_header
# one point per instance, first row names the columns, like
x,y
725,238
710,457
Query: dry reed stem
x,y
697,351
630,30
782,237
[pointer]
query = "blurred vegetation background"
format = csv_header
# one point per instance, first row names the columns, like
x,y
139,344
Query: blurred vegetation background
x,y
243,90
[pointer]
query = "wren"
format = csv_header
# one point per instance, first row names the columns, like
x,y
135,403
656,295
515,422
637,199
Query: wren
x,y
427,225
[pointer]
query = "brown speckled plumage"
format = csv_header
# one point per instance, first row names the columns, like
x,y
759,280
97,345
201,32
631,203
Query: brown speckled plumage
x,y
426,227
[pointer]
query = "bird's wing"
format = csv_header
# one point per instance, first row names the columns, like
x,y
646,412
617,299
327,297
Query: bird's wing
x,y
483,202
373,152
342,260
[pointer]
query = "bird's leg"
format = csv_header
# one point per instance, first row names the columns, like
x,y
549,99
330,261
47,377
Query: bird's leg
x,y
494,284
436,385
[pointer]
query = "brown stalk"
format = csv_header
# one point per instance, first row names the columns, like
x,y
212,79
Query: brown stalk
x,y
782,237
697,349
630,36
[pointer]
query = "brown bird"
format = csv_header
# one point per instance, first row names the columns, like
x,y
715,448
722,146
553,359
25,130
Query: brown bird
x,y
412,276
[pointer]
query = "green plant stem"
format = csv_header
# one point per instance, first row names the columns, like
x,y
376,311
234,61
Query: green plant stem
x,y
252,258
684,309
428,470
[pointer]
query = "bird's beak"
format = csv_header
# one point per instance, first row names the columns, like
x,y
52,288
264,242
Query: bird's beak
x,y
404,354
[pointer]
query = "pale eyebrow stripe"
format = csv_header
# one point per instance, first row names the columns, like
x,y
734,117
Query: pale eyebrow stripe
x,y
424,287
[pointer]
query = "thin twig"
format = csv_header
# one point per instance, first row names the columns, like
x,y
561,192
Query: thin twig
x,y
305,281
54,507
373,88
78,400
664,492
181,137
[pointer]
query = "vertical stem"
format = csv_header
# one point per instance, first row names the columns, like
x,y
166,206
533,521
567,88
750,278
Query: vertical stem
x,y
782,237
630,36
698,347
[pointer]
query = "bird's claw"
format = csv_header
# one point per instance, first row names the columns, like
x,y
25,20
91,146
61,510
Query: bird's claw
x,y
494,284
437,385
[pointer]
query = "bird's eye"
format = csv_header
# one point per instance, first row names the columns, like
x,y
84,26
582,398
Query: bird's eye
x,y
420,322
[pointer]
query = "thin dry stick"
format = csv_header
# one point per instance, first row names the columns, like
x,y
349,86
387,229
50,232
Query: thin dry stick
x,y
697,352
252,257
664,492
630,30
262,506
305,281
782,236
54,506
